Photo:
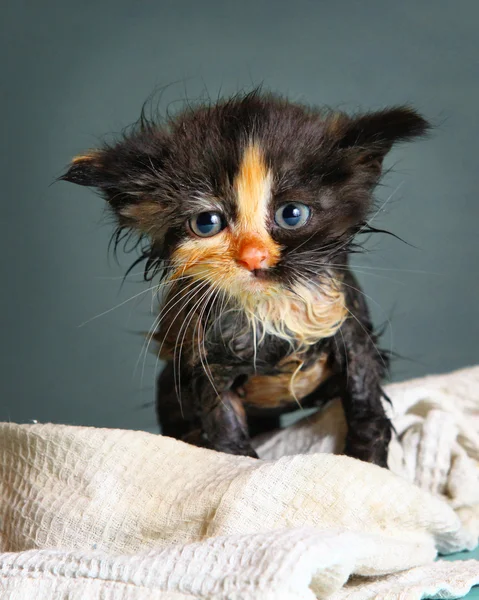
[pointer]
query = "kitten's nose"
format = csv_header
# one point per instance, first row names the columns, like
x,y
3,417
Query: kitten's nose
x,y
253,257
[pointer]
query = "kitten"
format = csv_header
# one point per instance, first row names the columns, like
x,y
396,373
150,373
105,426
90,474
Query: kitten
x,y
250,207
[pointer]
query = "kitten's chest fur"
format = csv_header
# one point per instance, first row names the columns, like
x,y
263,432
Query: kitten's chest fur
x,y
288,385
275,367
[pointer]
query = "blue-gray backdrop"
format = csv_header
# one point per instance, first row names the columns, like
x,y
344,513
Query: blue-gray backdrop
x,y
72,71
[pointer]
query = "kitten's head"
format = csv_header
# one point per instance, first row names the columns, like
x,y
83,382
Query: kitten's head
x,y
255,195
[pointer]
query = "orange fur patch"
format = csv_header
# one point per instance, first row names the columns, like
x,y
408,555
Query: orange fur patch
x,y
253,189
253,193
271,391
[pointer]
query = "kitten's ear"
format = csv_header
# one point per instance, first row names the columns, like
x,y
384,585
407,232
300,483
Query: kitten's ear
x,y
126,175
370,136
87,170
126,172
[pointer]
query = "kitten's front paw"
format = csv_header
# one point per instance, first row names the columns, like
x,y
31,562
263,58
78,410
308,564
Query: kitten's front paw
x,y
376,455
370,444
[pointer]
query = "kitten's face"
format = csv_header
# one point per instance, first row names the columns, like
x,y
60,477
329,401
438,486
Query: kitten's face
x,y
255,196
235,249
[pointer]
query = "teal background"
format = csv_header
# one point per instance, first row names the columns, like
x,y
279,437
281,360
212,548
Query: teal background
x,y
73,71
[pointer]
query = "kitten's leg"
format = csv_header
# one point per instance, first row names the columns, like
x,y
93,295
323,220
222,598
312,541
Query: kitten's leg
x,y
175,415
363,366
222,418
202,418
369,429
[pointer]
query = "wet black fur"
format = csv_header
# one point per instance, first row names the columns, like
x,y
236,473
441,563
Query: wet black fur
x,y
328,160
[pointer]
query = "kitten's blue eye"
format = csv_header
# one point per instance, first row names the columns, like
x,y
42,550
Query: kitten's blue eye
x,y
207,224
292,215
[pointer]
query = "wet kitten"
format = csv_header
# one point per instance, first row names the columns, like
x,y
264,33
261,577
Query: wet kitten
x,y
250,207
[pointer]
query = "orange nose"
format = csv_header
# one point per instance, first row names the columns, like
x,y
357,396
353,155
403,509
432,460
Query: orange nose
x,y
253,257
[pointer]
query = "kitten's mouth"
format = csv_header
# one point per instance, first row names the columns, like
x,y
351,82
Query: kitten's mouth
x,y
261,274
259,281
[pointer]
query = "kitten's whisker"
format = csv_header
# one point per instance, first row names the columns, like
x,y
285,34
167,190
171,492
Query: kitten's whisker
x,y
213,305
144,348
176,264
184,326
180,278
388,320
201,284
369,336
296,248
189,296
340,282
157,322
255,341
105,312
221,314
197,328
359,323
101,277
380,209
347,269
211,300
354,267
177,370
345,356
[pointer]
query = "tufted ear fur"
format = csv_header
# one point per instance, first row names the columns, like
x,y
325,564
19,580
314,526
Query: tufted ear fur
x,y
367,138
122,171
87,169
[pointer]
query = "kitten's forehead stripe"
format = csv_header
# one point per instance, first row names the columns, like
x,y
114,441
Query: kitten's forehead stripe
x,y
253,190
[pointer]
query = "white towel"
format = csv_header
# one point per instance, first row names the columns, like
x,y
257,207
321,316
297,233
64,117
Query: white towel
x,y
98,513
